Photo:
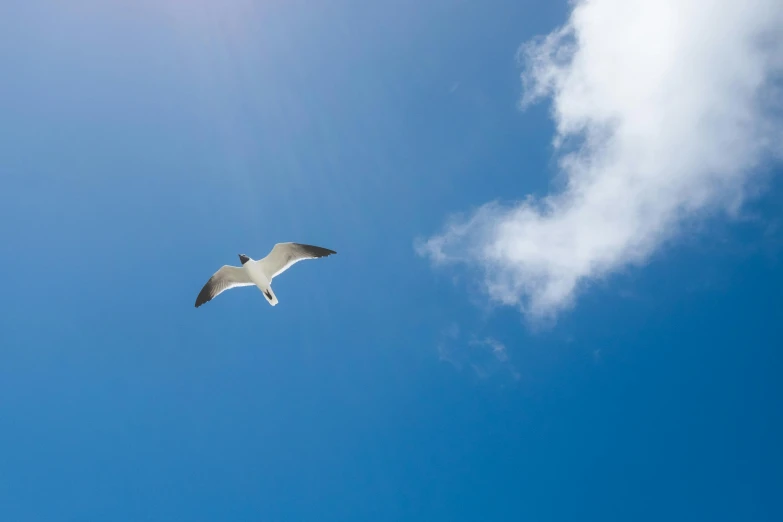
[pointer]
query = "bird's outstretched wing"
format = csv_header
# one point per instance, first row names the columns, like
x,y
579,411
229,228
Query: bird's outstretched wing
x,y
225,278
283,255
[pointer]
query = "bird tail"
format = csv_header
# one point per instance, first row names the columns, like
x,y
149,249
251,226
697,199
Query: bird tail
x,y
270,295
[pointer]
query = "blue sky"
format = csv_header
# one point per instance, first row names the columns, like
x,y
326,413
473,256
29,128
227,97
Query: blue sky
x,y
145,144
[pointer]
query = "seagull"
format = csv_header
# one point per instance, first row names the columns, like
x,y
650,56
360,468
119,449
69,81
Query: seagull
x,y
259,273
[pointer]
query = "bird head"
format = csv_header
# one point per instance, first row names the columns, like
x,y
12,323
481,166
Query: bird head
x,y
243,258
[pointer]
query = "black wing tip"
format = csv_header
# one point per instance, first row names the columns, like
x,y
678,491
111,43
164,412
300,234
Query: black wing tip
x,y
205,295
316,250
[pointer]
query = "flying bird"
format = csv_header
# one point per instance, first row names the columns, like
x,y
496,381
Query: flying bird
x,y
259,273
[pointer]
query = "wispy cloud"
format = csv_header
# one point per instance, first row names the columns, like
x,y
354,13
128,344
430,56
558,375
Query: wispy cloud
x,y
664,111
495,347
446,351
486,357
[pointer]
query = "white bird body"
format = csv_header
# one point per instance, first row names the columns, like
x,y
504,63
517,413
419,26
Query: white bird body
x,y
255,271
259,273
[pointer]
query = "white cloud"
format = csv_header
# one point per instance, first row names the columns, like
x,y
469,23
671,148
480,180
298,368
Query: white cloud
x,y
664,110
